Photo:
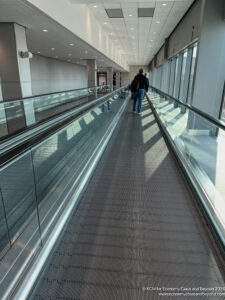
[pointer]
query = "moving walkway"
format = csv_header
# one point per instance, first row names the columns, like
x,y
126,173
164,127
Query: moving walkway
x,y
107,211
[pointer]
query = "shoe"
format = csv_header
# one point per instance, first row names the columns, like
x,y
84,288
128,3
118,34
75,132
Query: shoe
x,y
139,113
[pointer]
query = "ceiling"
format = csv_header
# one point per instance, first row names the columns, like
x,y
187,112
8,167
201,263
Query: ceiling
x,y
66,45
138,38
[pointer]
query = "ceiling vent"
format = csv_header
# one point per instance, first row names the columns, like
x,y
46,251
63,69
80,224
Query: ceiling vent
x,y
146,12
114,13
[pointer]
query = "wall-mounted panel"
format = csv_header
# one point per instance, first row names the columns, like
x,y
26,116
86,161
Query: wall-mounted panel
x,y
160,56
187,31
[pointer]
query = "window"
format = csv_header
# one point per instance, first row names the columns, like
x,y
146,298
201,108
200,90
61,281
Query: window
x,y
177,76
191,79
222,117
172,75
183,75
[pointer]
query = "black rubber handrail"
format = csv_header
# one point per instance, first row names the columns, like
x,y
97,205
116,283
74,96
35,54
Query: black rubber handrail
x,y
209,118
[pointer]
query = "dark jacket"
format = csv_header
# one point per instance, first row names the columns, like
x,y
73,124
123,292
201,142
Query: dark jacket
x,y
140,82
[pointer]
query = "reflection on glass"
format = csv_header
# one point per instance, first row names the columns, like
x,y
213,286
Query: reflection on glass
x,y
223,105
177,76
18,115
202,145
172,76
194,54
183,73
51,171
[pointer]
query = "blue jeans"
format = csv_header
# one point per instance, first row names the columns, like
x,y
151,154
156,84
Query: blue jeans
x,y
138,96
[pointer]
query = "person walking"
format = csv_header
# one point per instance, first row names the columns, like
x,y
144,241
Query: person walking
x,y
139,87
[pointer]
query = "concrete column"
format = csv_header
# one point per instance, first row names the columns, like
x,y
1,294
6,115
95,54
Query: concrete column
x,y
125,79
14,70
118,77
110,77
210,68
92,72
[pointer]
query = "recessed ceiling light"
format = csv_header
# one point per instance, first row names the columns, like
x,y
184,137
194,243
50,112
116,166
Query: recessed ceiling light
x,y
71,44
38,52
132,28
105,23
157,22
53,49
95,6
164,4
130,15
45,30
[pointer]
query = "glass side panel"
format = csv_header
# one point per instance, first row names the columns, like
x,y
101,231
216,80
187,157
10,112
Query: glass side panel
x,y
18,193
59,160
16,116
202,144
36,186
4,236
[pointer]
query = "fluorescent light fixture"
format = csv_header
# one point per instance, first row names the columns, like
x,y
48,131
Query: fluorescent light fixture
x,y
157,22
38,52
132,28
164,4
130,15
53,49
95,6
45,30
105,23
71,44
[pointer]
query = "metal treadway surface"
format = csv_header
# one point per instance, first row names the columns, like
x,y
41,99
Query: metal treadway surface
x,y
137,226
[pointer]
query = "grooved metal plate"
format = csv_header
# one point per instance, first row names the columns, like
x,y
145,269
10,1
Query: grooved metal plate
x,y
137,226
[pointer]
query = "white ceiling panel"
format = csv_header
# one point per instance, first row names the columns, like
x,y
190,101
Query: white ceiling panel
x,y
138,38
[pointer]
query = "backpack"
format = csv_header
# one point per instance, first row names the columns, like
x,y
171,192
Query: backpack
x,y
135,85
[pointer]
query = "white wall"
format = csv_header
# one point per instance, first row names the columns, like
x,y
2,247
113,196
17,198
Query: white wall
x,y
79,20
49,75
